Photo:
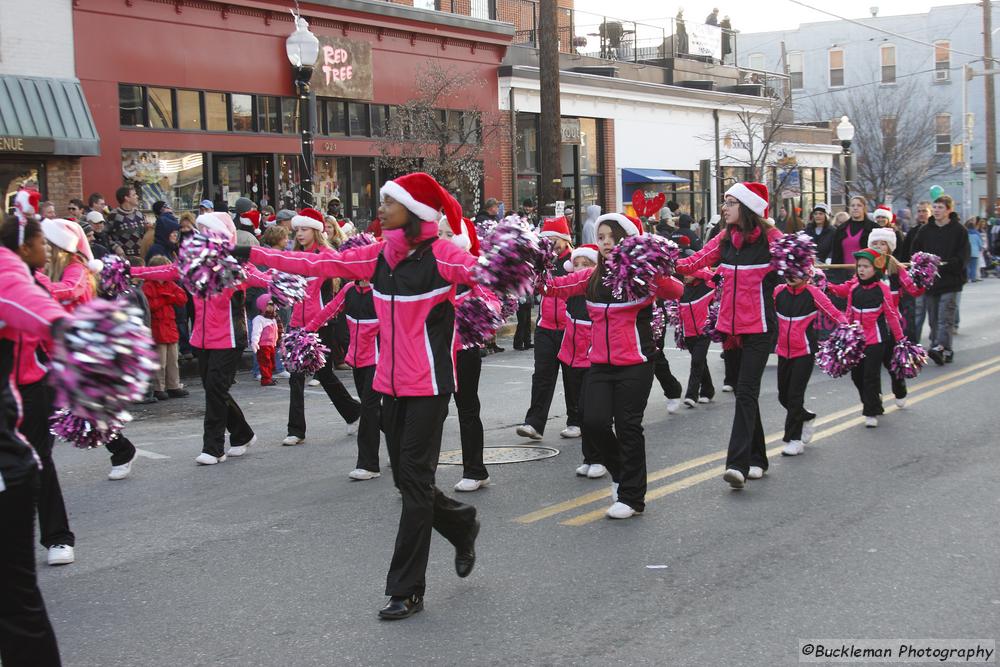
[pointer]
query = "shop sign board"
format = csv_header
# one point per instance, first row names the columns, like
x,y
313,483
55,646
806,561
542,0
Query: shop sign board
x,y
571,131
26,145
344,69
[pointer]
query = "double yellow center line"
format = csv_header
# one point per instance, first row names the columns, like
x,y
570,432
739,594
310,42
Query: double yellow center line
x,y
928,389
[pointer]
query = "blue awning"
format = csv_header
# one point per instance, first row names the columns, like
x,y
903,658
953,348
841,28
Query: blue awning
x,y
43,115
651,176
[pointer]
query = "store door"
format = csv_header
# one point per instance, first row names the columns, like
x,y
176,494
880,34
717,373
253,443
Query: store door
x,y
249,176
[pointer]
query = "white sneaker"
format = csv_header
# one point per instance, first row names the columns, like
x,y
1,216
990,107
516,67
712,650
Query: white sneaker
x,y
292,440
361,474
614,492
673,404
704,399
808,428
61,554
734,478
352,429
871,422
690,402
728,388
793,448
583,469
755,472
209,460
240,450
901,403
283,374
256,376
466,484
620,511
570,432
122,471
528,431
313,383
597,471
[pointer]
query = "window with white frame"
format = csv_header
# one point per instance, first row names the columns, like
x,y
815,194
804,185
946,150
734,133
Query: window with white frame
x,y
888,58
755,61
795,70
942,60
942,133
836,68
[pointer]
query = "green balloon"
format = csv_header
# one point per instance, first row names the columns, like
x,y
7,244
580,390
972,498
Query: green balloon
x,y
936,191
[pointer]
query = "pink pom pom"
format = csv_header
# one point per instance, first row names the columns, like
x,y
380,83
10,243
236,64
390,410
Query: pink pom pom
x,y
842,350
508,306
508,267
632,267
711,322
819,278
286,288
303,352
658,324
357,241
924,269
80,432
115,277
476,322
907,359
792,255
207,266
103,361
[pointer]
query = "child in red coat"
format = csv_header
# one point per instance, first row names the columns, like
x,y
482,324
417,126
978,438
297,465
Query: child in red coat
x,y
162,296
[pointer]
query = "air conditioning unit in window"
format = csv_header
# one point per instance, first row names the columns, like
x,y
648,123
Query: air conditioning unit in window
x,y
941,75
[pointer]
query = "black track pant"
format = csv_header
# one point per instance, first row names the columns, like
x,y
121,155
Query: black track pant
x,y
793,378
369,433
591,448
731,360
699,379
522,334
543,380
898,384
26,636
867,377
222,413
746,440
661,368
342,400
52,520
616,399
468,367
414,426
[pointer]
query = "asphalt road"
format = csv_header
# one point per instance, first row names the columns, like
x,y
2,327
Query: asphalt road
x,y
278,559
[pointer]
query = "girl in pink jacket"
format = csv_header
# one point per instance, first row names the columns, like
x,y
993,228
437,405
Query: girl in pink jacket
x,y
621,366
413,275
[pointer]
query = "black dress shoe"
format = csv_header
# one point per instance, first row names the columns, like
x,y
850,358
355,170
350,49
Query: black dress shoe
x,y
400,607
178,393
529,346
465,556
161,395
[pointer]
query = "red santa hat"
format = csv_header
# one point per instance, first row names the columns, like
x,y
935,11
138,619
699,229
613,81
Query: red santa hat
x,y
588,251
631,225
557,228
309,218
217,222
467,240
425,198
347,227
883,211
251,218
70,236
752,195
26,203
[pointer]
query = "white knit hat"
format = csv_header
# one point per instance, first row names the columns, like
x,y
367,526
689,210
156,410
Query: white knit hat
x,y
882,234
69,236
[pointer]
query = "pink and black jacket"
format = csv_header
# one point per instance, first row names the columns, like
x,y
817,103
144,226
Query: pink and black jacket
x,y
575,348
797,308
747,304
358,306
552,309
220,321
463,292
413,304
901,282
621,334
871,305
692,307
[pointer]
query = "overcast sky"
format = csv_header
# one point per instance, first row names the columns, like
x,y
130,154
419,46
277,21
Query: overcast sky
x,y
762,15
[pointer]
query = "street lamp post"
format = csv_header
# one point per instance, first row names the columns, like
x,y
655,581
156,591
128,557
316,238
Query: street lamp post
x,y
845,133
302,49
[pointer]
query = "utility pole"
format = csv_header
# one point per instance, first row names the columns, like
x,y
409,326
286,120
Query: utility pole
x,y
550,144
991,113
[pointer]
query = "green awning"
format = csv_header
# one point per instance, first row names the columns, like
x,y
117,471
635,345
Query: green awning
x,y
43,115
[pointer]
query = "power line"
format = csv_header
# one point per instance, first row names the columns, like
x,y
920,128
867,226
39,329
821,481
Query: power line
x,y
870,83
977,56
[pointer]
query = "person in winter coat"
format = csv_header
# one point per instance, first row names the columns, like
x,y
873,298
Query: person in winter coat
x,y
746,315
621,365
849,238
166,236
820,231
589,226
265,331
692,310
163,296
976,246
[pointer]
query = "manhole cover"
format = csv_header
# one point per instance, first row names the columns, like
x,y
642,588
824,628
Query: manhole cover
x,y
495,455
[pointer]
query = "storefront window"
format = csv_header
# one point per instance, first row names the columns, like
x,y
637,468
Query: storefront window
x,y
380,119
288,181
336,118
290,115
160,107
363,203
242,108
17,173
268,110
176,178
131,112
188,110
527,142
217,112
330,180
358,117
